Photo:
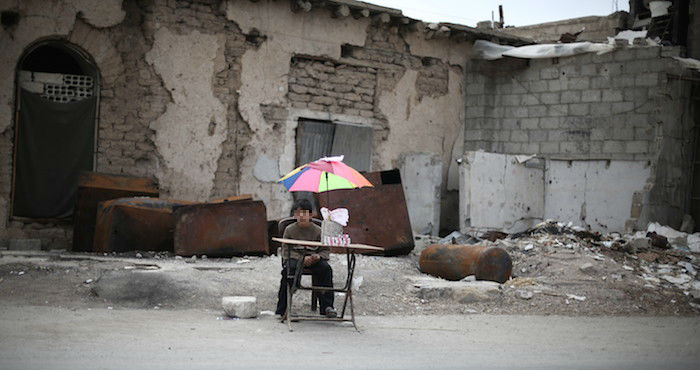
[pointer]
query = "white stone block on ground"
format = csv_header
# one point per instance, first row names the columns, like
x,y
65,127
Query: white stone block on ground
x,y
459,291
242,307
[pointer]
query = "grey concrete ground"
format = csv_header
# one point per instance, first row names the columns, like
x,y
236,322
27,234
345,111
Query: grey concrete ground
x,y
33,337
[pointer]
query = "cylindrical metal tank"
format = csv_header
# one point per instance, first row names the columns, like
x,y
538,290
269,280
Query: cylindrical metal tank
x,y
455,262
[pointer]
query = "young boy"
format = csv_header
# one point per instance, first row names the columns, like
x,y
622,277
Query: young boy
x,y
317,262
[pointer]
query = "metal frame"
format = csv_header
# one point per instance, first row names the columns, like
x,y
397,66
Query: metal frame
x,y
296,284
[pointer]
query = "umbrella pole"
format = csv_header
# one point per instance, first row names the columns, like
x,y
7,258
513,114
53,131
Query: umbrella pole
x,y
328,195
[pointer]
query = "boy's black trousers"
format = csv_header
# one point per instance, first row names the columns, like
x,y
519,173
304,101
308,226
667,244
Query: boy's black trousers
x,y
321,275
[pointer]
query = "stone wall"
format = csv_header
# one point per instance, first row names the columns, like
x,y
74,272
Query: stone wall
x,y
596,29
617,106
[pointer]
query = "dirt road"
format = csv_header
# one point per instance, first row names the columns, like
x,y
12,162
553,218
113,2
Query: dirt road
x,y
33,337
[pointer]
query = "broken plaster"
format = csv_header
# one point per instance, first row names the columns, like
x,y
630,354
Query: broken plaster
x,y
264,80
432,125
188,136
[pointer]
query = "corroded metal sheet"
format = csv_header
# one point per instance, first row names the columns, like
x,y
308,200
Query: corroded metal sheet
x,y
378,215
94,188
222,230
140,223
455,262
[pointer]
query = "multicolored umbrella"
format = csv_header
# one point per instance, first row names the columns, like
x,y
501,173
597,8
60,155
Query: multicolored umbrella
x,y
329,173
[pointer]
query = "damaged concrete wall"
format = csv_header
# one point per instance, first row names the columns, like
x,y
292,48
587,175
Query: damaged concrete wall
x,y
500,192
617,106
596,29
206,96
363,71
419,172
514,193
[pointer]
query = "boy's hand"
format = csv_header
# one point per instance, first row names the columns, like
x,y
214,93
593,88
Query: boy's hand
x,y
311,260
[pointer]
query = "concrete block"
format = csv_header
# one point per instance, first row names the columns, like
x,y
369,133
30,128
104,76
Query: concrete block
x,y
571,97
573,147
550,98
512,148
556,85
623,107
537,111
550,122
601,109
459,291
531,148
519,136
24,244
623,55
595,147
624,81
634,147
579,109
649,79
600,133
558,110
589,96
579,83
612,146
549,73
549,148
530,99
589,70
650,52
622,133
240,306
539,86
612,96
529,123
538,135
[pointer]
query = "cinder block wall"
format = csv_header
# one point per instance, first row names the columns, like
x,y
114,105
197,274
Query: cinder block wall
x,y
618,106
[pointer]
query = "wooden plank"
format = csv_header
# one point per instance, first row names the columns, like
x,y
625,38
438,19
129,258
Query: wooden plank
x,y
311,243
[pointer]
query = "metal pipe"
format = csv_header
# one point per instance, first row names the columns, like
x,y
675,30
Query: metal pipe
x,y
455,262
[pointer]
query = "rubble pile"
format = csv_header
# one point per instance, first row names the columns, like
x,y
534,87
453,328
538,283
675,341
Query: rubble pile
x,y
660,258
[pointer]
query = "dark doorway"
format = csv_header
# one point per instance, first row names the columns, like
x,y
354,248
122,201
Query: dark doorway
x,y
57,90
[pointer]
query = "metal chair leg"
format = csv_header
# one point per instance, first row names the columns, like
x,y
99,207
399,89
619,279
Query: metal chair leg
x,y
288,311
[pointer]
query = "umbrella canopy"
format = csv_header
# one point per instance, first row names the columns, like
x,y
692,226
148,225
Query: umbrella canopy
x,y
325,174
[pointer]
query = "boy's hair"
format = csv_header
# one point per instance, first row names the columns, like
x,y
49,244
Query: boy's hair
x,y
303,204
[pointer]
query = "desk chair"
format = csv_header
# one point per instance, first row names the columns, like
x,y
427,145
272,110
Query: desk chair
x,y
296,284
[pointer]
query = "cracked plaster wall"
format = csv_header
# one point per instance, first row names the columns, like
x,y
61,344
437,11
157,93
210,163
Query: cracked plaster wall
x,y
264,75
188,136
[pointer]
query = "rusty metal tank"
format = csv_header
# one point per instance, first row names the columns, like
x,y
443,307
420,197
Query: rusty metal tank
x,y
455,262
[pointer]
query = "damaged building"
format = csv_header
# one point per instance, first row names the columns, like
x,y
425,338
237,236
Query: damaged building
x,y
218,98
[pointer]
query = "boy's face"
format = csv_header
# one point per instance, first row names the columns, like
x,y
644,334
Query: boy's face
x,y
303,217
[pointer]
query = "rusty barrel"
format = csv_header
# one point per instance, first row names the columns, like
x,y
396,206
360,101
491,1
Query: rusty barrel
x,y
455,262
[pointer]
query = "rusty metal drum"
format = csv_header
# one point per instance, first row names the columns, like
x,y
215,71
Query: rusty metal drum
x,y
455,262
